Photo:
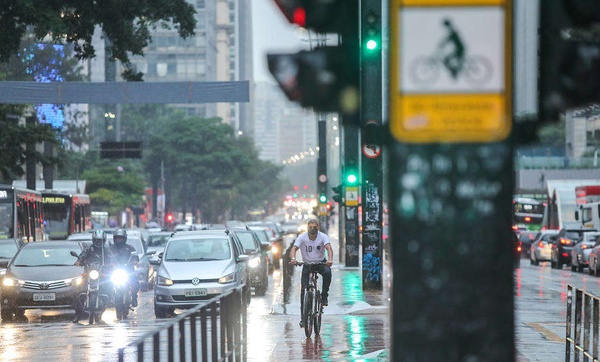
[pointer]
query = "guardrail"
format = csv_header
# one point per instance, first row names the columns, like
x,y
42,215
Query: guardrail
x,y
583,322
215,330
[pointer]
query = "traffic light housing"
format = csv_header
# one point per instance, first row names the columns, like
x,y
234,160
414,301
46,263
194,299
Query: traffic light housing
x,y
338,192
325,78
569,56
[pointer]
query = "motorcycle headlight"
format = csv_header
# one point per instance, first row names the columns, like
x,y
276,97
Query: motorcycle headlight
x,y
94,275
164,281
230,278
253,263
119,277
274,249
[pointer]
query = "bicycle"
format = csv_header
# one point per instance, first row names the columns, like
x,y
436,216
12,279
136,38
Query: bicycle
x,y
425,70
312,312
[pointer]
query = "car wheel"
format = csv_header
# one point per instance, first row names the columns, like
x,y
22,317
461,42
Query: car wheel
x,y
6,314
573,268
590,269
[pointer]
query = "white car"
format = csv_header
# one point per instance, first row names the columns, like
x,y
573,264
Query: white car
x,y
541,247
197,266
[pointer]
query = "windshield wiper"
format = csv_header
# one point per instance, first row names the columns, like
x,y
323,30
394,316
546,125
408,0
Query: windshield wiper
x,y
203,259
52,265
176,259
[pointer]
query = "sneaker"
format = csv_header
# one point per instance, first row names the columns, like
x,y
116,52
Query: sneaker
x,y
324,301
301,324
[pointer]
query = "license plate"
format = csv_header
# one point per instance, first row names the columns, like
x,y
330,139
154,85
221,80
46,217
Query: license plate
x,y
195,292
43,297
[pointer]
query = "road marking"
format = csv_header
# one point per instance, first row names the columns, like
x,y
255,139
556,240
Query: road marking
x,y
551,336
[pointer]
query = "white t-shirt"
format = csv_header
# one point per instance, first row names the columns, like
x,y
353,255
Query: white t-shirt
x,y
313,251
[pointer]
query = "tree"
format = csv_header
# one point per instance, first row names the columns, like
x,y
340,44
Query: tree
x,y
208,168
34,62
126,24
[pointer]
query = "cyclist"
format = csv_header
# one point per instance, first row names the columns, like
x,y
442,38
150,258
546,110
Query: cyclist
x,y
122,253
455,56
312,245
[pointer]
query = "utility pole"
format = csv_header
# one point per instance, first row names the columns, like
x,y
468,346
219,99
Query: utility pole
x,y
371,147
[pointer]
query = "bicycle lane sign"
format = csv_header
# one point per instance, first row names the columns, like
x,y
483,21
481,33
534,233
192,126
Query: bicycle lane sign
x,y
450,70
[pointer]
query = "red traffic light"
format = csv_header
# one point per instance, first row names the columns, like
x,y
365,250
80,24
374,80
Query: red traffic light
x,y
169,217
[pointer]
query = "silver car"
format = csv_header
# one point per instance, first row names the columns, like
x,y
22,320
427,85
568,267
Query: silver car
x,y
197,266
541,247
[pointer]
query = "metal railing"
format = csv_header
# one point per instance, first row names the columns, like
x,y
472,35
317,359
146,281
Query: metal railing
x,y
215,330
582,325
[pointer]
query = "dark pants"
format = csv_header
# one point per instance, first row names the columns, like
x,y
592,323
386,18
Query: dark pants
x,y
325,272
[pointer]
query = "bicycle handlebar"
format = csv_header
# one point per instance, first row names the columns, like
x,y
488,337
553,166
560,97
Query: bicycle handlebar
x,y
301,263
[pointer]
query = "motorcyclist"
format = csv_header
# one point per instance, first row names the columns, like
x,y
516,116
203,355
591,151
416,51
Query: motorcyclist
x,y
122,253
95,254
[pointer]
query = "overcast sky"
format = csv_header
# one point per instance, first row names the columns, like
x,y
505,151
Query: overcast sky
x,y
271,34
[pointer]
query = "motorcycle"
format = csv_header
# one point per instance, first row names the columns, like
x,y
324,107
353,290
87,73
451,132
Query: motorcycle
x,y
122,291
94,302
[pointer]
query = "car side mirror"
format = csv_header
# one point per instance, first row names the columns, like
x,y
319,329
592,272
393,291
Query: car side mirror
x,y
74,254
151,252
243,258
265,247
160,255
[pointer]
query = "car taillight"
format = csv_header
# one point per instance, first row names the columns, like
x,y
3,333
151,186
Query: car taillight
x,y
584,246
519,248
565,241
565,254
541,244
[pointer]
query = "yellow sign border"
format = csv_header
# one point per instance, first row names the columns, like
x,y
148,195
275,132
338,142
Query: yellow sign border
x,y
427,127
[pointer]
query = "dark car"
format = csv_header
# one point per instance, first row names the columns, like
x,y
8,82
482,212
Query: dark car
x,y
42,275
276,234
156,245
562,245
8,249
527,238
517,247
258,265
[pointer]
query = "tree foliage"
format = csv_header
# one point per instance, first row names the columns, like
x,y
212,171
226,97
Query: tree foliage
x,y
127,24
207,167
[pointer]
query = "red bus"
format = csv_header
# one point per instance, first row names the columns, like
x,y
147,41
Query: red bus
x,y
21,214
65,213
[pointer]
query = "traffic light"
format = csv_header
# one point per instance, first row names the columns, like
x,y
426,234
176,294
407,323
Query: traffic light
x,y
169,218
322,198
351,177
337,195
371,33
569,56
324,78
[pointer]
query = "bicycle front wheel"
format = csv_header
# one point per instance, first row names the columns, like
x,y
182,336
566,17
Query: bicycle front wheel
x,y
307,313
318,311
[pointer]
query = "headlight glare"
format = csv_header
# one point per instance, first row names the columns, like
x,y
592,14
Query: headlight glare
x,y
94,275
253,263
164,281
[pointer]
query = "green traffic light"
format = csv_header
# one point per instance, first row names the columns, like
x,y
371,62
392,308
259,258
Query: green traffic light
x,y
371,44
351,178
323,199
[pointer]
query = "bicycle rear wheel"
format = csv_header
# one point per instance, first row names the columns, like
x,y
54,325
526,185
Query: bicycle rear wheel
x,y
307,313
318,311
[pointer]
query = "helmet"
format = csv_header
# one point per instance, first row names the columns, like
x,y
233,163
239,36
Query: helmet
x,y
120,237
98,238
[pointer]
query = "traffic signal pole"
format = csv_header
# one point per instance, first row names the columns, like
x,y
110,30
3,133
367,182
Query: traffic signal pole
x,y
322,181
371,149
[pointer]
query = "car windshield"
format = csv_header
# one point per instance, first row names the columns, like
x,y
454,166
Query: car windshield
x,y
158,240
262,236
59,256
573,235
198,249
8,250
247,241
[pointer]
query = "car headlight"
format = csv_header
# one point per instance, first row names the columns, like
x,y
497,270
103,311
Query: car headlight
x,y
11,282
164,281
74,281
230,278
253,263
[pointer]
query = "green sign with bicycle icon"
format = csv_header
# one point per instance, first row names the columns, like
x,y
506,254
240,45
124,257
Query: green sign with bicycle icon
x,y
450,69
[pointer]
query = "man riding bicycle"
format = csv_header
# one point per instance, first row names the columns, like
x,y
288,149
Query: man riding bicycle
x,y
312,245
